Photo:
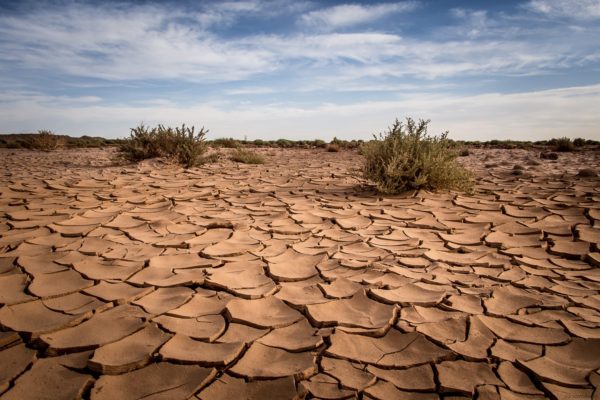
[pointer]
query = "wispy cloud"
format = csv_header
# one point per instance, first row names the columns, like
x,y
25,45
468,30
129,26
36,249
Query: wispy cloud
x,y
346,15
154,42
126,43
264,65
576,9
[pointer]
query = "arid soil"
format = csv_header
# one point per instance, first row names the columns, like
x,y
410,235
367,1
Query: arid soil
x,y
294,279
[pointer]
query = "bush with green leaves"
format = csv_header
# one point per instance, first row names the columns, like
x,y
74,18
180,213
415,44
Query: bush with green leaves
x,y
182,144
246,157
407,158
46,140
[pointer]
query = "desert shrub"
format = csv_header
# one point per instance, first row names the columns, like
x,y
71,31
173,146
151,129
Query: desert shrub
x,y
189,146
46,140
333,147
181,144
247,157
319,143
259,142
406,158
463,153
14,145
229,143
284,143
141,144
564,144
579,142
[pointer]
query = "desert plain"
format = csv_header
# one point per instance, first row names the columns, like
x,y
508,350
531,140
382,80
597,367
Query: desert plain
x,y
295,279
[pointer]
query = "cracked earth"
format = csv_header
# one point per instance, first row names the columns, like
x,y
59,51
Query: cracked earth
x,y
293,280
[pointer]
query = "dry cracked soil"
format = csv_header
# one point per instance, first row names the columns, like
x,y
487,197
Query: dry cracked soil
x,y
294,279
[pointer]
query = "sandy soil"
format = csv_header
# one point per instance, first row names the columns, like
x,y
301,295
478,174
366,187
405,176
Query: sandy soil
x,y
293,279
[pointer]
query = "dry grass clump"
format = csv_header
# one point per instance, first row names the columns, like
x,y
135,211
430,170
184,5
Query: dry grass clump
x,y
246,157
46,140
406,158
181,144
333,148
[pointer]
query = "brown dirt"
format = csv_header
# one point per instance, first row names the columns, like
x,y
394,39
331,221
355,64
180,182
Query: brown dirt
x,y
294,279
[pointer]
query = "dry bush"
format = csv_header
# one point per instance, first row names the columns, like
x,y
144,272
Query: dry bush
x,y
247,157
564,144
229,143
181,144
333,147
406,158
189,146
46,140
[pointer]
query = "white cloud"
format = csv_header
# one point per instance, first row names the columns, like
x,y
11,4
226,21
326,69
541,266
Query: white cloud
x,y
526,116
125,43
152,42
346,15
577,9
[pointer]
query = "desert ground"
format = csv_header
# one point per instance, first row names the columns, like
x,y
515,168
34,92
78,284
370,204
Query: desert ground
x,y
295,279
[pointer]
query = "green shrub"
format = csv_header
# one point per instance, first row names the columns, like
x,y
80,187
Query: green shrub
x,y
564,144
181,144
579,142
247,157
45,140
406,158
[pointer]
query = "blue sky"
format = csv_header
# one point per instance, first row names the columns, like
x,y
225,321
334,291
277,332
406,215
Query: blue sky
x,y
271,69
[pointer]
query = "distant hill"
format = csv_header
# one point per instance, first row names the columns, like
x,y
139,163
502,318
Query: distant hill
x,y
23,141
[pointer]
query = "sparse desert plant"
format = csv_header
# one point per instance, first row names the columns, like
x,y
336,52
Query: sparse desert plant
x,y
579,142
333,147
181,144
319,143
189,146
229,143
247,157
463,153
406,158
284,143
140,145
564,144
46,140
